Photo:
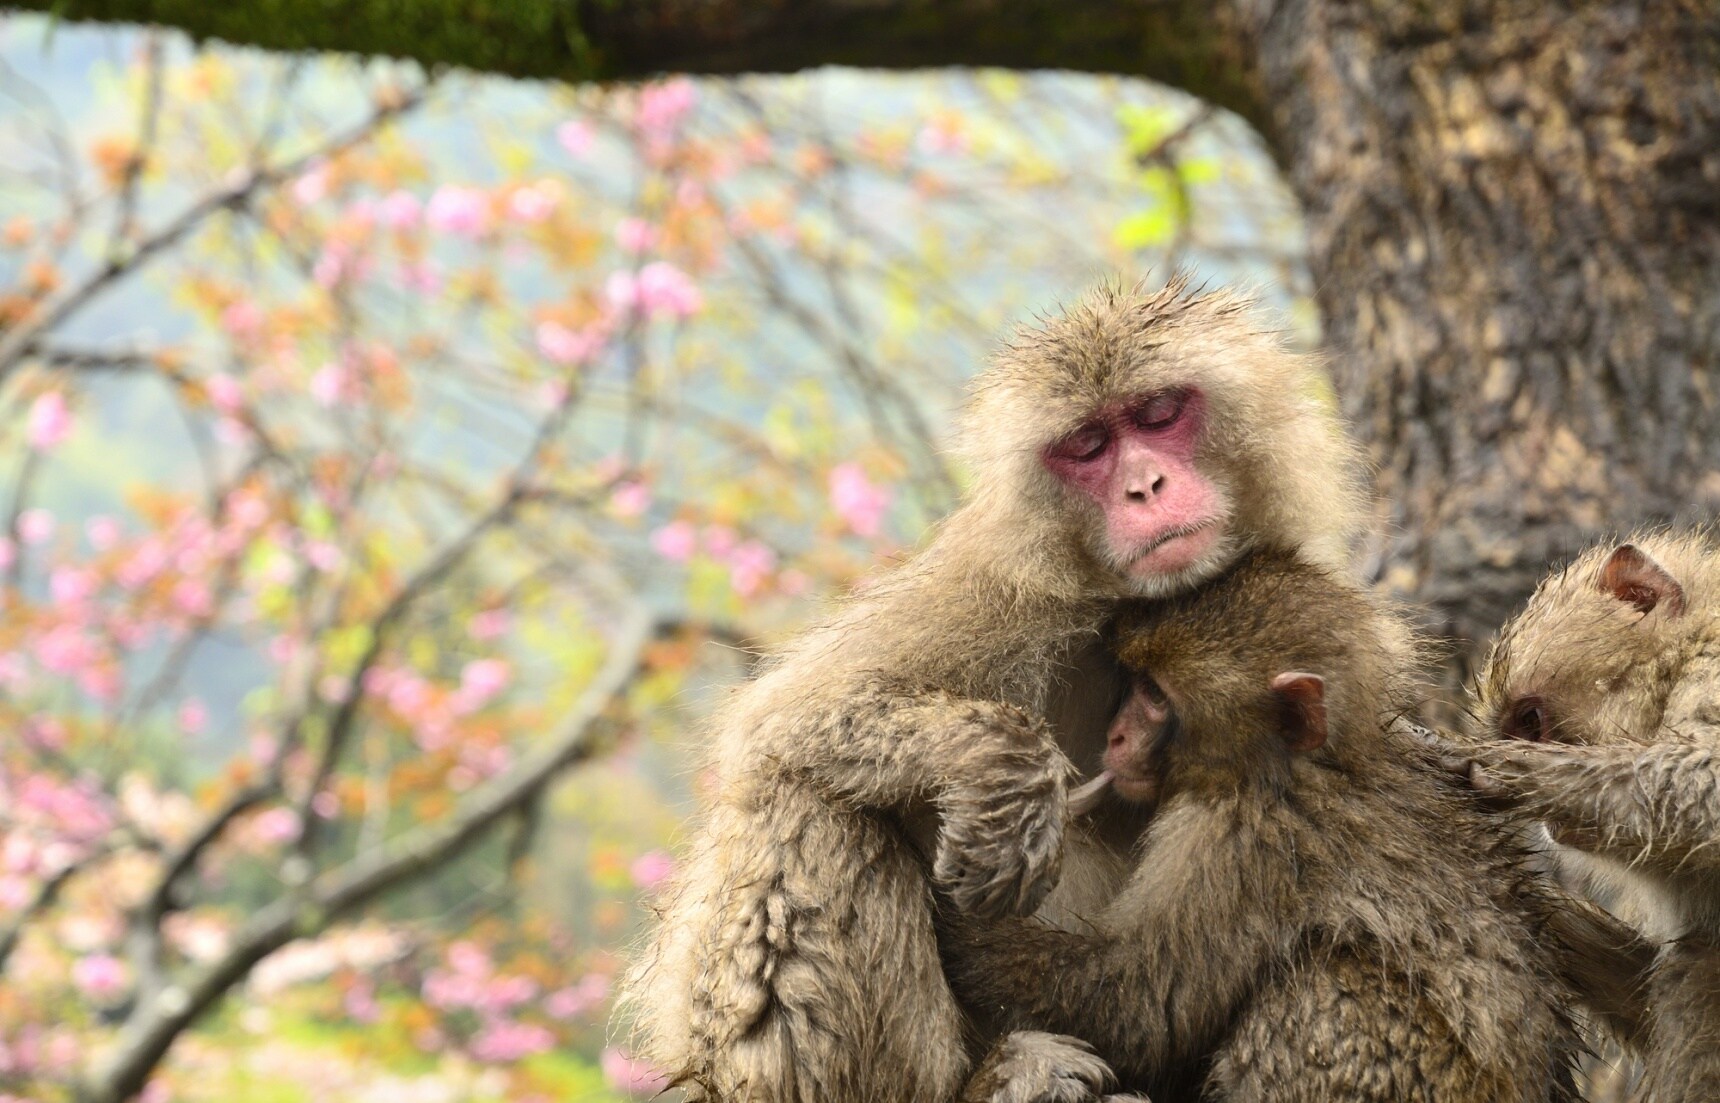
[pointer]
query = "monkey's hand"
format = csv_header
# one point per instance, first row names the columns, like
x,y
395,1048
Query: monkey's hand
x,y
1000,840
1032,1067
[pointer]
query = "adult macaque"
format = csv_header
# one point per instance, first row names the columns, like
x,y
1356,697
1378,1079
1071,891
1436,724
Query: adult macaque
x,y
1310,916
1605,696
1130,447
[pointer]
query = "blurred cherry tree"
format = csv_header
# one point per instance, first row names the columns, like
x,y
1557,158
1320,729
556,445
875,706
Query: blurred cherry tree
x,y
380,447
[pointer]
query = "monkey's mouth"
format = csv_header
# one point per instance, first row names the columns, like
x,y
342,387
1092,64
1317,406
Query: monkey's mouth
x,y
1147,559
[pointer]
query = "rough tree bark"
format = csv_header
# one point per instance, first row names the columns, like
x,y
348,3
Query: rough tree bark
x,y
1513,210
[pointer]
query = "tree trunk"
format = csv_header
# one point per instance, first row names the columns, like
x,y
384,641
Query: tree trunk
x,y
1511,206
1511,210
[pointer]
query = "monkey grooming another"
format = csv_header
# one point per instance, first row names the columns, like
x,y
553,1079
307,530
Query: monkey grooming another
x,y
1310,917
1605,691
1130,447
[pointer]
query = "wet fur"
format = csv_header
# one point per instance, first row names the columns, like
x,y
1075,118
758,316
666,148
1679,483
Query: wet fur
x,y
932,719
1631,782
1340,924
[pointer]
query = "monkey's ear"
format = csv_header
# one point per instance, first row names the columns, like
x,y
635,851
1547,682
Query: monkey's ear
x,y
1635,579
1303,697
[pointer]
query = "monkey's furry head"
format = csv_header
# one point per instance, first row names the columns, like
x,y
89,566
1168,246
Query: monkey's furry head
x,y
1273,438
1216,650
1604,643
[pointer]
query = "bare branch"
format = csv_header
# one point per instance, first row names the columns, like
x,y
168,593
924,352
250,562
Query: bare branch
x,y
17,342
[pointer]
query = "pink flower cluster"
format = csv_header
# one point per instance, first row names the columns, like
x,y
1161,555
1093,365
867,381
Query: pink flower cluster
x,y
658,290
471,983
50,421
857,500
750,562
459,210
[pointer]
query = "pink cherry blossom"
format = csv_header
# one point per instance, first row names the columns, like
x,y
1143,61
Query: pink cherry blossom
x,y
225,393
466,956
422,277
459,210
328,384
148,560
635,235
72,585
661,106
193,597
750,564
501,1041
577,998
489,624
14,674
325,805
651,868
482,679
629,1075
311,185
563,345
360,1004
102,532
720,540
276,826
665,289
576,136
8,552
861,504
324,556
66,649
50,421
621,290
332,265
242,318
400,210
630,499
193,716
99,976
534,202
675,541
361,214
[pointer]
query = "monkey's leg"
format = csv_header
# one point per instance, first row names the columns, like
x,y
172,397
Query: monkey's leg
x,y
1682,1064
1660,801
797,964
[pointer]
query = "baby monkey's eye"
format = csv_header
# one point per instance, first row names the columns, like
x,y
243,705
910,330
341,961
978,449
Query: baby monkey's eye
x,y
1527,719
1150,686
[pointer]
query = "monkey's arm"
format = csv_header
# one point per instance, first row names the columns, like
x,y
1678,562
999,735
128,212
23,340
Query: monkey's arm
x,y
1162,974
993,773
1660,801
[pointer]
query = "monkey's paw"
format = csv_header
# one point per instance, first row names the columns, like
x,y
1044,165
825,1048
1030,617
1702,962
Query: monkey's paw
x,y
999,854
1030,1067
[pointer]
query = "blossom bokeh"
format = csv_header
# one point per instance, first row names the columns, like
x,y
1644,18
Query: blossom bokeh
x,y
398,465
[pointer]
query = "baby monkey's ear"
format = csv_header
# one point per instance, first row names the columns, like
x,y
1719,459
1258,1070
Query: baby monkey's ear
x,y
1303,698
1633,578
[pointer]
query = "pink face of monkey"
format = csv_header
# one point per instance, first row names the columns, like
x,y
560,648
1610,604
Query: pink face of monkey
x,y
1166,524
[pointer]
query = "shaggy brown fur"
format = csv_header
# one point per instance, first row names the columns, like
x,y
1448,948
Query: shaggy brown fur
x,y
1309,925
795,958
1609,682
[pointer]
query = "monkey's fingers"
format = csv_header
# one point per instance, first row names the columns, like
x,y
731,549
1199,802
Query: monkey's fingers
x,y
1029,1066
1002,856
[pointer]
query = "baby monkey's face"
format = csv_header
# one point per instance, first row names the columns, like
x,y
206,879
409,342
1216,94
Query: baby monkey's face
x,y
1592,657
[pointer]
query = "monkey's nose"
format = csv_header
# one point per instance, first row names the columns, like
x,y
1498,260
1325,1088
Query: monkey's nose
x,y
1141,494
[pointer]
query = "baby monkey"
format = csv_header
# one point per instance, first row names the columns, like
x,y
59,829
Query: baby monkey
x,y
1603,698
1316,912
